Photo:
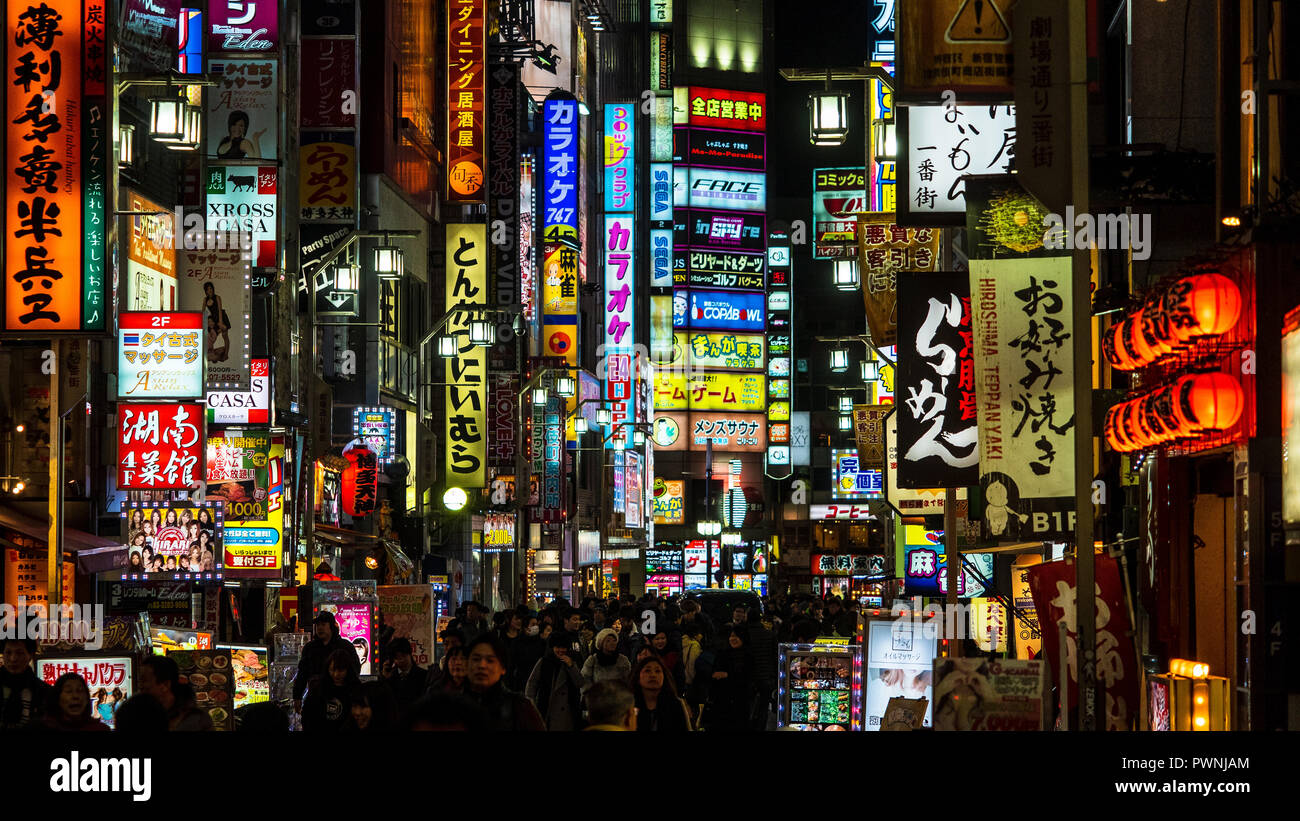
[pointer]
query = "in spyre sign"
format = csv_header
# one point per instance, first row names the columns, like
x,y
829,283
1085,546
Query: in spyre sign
x,y
937,428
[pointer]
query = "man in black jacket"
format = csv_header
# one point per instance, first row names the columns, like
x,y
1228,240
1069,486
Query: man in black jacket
x,y
316,653
506,711
838,621
405,678
762,649
22,694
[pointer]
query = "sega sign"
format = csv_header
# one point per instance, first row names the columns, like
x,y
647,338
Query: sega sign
x,y
727,190
661,257
719,311
661,192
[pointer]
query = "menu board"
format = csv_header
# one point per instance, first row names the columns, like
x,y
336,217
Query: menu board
x,y
822,687
251,673
209,674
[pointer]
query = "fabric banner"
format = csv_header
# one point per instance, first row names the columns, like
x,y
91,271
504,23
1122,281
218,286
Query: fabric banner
x,y
937,430
1054,592
1024,373
884,249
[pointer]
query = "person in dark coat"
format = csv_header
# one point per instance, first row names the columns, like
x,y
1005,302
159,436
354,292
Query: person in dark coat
x,y
762,653
658,707
22,695
838,621
316,652
405,678
485,688
528,649
556,684
328,705
731,706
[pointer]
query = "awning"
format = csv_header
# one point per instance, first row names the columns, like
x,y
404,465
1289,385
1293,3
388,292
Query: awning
x,y
92,553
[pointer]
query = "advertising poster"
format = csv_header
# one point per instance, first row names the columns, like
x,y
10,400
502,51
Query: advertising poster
x,y
243,198
732,110
159,446
726,190
243,116
181,537
850,479
110,681
632,485
937,428
719,310
167,602
720,351
884,249
669,502
240,25
839,195
408,609
725,269
938,39
247,471
211,676
327,176
1006,695
1029,638
729,432
248,665
465,430
1024,374
869,431
251,407
355,627
150,257
900,664
620,159
722,230
1053,588
377,430
216,284
743,151
160,355
560,256
822,686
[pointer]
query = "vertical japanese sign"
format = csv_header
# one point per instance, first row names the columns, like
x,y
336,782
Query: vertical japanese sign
x,y
503,195
159,446
243,25
620,316
938,145
330,65
1055,598
869,431
1024,377
247,471
45,278
327,176
937,428
620,160
560,230
884,249
466,410
778,462
466,138
632,488
553,454
961,45
881,34
839,194
94,162
360,481
1042,73
243,112
527,233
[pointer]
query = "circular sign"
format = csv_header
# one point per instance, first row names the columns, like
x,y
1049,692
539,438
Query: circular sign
x,y
666,432
466,178
455,498
170,541
559,342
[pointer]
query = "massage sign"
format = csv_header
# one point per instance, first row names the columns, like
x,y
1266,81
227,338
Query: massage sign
x,y
360,482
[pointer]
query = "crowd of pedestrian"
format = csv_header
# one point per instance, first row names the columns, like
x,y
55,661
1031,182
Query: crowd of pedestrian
x,y
617,664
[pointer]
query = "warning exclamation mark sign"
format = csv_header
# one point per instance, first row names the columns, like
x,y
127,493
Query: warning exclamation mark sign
x,y
978,21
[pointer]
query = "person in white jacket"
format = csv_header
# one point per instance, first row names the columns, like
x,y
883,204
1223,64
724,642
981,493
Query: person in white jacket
x,y
606,663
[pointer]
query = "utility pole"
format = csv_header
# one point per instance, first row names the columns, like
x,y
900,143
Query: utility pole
x,y
54,579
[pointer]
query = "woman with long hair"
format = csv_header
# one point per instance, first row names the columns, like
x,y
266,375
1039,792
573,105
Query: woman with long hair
x,y
205,518
658,707
327,706
156,519
171,520
218,324
452,669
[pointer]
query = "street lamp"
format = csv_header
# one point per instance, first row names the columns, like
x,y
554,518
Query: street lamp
x,y
447,346
388,261
846,422
638,437
167,119
580,424
870,370
482,332
839,360
731,538
539,396
566,386
885,139
846,274
347,277
126,145
709,527
604,416
455,499
193,121
829,124
846,404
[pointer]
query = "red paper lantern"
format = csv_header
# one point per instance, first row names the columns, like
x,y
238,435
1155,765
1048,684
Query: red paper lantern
x,y
1155,329
1186,422
1214,400
1130,421
1115,433
360,481
1202,305
1112,346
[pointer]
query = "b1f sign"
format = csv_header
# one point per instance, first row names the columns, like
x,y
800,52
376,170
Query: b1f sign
x,y
160,355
